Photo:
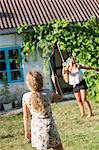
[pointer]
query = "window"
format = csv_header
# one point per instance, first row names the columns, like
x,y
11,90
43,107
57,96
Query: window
x,y
11,64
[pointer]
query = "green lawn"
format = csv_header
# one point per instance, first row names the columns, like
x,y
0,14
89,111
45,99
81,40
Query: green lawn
x,y
76,133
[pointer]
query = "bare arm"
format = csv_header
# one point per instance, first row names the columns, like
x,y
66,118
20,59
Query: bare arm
x,y
26,118
65,73
65,69
89,68
56,97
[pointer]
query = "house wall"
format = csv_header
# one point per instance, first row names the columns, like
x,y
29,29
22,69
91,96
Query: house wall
x,y
38,65
13,40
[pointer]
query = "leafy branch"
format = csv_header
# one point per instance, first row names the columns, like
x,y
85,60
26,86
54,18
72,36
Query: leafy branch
x,y
81,38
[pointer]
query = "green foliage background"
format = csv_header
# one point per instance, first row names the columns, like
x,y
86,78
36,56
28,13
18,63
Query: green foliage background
x,y
81,38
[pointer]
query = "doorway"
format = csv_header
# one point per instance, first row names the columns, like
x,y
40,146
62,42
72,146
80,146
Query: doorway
x,y
56,64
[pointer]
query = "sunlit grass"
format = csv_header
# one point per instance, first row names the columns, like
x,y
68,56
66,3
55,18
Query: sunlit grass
x,y
76,133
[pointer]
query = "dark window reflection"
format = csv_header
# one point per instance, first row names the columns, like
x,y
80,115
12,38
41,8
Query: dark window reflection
x,y
14,65
2,55
16,75
13,54
2,66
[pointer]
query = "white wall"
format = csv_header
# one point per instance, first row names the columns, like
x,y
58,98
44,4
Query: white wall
x,y
39,66
11,40
14,40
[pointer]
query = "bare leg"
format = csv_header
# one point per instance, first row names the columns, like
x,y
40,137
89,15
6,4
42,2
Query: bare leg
x,y
58,147
80,103
84,99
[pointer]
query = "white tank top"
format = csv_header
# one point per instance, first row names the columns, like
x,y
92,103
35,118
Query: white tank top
x,y
75,77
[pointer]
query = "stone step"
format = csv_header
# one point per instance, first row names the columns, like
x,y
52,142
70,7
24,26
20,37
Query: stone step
x,y
68,96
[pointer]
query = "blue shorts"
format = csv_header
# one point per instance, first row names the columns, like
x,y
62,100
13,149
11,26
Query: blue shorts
x,y
81,86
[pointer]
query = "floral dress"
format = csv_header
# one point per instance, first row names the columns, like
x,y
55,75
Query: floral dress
x,y
44,133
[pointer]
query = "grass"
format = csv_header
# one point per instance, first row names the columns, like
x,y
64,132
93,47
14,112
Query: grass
x,y
76,133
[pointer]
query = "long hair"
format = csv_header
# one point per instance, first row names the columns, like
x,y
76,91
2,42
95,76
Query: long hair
x,y
77,65
35,83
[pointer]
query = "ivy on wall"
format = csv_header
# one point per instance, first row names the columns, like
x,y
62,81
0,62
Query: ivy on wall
x,y
81,38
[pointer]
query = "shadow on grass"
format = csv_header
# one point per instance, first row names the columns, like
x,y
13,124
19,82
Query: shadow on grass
x,y
6,136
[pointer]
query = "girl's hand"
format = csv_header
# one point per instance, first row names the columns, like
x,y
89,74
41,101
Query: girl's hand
x,y
67,67
28,136
54,78
64,64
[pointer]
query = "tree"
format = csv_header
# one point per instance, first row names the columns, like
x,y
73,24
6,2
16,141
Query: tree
x,y
81,38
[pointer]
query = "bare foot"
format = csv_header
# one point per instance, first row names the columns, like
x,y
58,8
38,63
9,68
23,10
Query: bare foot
x,y
89,115
83,115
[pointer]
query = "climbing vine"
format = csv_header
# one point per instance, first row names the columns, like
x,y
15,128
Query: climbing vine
x,y
81,38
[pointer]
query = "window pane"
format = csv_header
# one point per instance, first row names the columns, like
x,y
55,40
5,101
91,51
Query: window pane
x,y
2,55
1,75
16,75
13,54
2,66
14,65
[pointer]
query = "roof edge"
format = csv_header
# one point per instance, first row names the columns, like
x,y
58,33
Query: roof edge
x,y
8,31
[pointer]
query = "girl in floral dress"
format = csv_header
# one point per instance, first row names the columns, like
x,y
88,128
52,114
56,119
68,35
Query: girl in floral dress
x,y
37,103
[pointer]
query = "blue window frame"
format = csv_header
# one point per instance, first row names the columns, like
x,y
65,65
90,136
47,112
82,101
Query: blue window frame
x,y
11,64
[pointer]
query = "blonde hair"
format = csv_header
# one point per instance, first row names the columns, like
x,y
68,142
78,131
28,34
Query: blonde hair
x,y
35,82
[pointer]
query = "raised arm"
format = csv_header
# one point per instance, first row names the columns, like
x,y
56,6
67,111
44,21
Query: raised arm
x,y
26,118
65,69
65,73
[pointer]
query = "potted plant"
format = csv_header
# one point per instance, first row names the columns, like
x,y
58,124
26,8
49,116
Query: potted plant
x,y
6,97
15,101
